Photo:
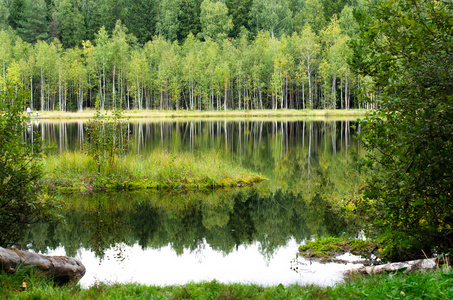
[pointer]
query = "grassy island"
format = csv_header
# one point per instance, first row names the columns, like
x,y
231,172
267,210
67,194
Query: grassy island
x,y
76,171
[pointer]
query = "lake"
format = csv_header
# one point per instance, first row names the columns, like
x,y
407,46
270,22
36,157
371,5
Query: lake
x,y
248,234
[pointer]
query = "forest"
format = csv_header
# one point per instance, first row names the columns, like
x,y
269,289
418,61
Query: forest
x,y
71,55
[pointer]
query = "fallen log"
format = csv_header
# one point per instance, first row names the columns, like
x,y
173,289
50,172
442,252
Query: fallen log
x,y
403,267
61,268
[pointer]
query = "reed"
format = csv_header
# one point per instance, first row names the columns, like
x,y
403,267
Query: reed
x,y
77,171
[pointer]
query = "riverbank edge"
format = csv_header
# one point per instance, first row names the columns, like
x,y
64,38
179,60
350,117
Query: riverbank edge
x,y
185,114
437,284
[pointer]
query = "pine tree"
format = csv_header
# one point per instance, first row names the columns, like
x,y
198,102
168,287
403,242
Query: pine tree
x,y
34,25
141,19
189,18
71,23
239,11
16,11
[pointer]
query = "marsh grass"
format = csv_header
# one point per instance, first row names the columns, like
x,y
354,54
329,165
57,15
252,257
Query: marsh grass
x,y
73,171
419,285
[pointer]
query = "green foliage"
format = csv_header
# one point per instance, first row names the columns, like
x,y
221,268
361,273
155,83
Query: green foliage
x,y
16,10
107,138
34,26
271,15
21,202
189,18
406,48
239,12
215,21
313,15
168,22
141,18
72,25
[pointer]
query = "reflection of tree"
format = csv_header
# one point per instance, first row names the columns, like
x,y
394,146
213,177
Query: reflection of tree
x,y
185,229
107,227
224,219
145,223
272,219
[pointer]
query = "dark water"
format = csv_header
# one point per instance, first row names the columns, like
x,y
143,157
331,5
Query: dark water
x,y
243,234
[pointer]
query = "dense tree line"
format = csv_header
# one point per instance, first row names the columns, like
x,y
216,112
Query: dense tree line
x,y
207,55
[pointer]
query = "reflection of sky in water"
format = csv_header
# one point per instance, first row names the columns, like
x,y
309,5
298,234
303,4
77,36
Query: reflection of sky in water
x,y
245,265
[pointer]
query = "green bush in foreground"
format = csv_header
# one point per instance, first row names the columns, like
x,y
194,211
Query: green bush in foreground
x,y
421,285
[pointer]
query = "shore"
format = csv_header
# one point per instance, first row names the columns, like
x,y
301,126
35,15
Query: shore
x,y
233,114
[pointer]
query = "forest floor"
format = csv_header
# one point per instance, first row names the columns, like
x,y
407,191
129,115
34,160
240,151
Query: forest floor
x,y
233,114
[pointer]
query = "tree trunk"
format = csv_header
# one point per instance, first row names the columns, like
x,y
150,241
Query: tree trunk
x,y
113,87
404,267
61,268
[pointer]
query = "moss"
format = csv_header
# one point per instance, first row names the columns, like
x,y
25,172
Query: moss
x,y
327,248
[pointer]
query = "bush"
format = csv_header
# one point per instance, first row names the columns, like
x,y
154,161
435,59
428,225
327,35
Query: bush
x,y
406,48
20,170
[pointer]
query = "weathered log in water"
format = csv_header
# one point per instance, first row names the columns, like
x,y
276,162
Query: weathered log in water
x,y
61,268
403,267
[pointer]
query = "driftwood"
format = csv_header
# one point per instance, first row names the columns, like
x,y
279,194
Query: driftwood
x,y
61,268
403,267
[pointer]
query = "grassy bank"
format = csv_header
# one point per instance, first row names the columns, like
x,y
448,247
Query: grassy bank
x,y
430,285
242,114
75,171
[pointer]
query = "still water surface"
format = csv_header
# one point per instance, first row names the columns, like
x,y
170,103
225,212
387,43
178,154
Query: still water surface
x,y
248,235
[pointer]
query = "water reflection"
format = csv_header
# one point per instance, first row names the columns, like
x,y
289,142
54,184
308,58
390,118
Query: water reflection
x,y
293,148
224,219
236,137
308,164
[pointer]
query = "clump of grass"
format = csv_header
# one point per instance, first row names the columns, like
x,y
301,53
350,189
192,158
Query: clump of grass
x,y
327,248
77,171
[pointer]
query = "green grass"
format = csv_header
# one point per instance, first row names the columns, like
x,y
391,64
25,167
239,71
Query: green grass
x,y
428,285
75,171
